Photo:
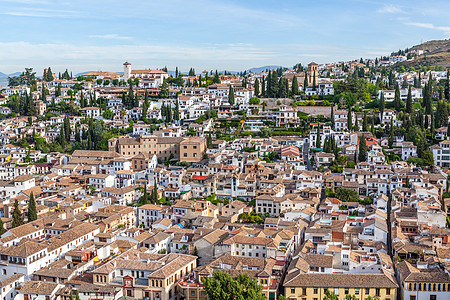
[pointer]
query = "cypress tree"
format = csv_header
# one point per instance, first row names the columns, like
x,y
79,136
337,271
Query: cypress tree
x,y
295,86
448,131
216,78
332,116
263,87
447,86
231,96
144,198
305,81
382,105
362,150
365,122
145,106
356,127
372,127
32,212
2,227
155,192
326,145
397,100
429,102
17,215
409,101
314,81
176,111
256,86
318,142
432,124
349,119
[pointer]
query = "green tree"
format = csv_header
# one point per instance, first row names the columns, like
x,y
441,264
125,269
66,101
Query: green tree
x,y
365,125
32,212
231,96
17,215
382,105
164,93
409,104
295,86
256,86
222,286
330,296
362,150
397,99
216,78
314,81
2,227
318,142
108,114
305,81
349,119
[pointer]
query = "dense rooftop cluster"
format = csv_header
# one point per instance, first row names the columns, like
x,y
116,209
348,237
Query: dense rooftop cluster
x,y
320,182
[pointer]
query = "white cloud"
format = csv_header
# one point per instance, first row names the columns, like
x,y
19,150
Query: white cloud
x,y
111,36
391,9
445,29
42,13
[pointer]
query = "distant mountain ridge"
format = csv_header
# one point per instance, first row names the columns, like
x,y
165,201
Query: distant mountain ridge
x,y
263,69
436,53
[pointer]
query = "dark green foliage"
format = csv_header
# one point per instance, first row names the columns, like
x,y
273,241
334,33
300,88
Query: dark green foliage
x,y
409,101
295,90
164,93
231,96
2,227
397,100
349,119
256,86
362,150
318,142
17,218
32,212
222,286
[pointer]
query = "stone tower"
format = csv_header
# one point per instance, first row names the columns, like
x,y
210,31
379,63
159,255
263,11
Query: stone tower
x,y
313,71
126,71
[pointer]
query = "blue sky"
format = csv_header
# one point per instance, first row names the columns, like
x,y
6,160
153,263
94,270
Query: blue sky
x,y
99,35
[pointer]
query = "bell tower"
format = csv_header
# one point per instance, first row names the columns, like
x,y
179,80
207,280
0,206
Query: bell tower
x,y
313,73
126,71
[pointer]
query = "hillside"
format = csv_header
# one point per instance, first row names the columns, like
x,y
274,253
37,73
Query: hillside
x,y
436,53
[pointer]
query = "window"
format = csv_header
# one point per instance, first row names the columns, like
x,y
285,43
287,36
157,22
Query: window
x,y
367,291
388,291
432,297
316,290
412,297
336,291
377,292
292,290
346,291
304,292
356,291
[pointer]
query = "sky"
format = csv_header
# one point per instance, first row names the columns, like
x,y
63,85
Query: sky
x,y
99,35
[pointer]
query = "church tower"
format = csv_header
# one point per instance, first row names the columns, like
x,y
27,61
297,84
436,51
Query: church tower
x,y
126,71
313,73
